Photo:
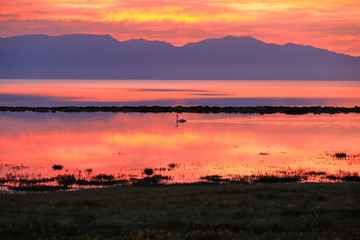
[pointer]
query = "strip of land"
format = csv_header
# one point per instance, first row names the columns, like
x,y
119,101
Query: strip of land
x,y
197,211
191,109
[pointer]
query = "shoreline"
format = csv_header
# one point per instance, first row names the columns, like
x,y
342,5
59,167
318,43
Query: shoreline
x,y
190,109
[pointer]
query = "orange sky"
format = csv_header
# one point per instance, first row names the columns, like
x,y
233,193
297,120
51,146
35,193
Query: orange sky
x,y
329,24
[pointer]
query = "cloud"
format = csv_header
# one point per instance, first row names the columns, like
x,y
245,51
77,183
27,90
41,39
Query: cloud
x,y
317,23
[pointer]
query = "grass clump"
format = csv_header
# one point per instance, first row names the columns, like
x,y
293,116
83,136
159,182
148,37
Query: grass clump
x,y
103,177
66,180
148,171
277,179
333,177
352,178
172,165
83,182
150,180
340,155
315,173
57,167
215,179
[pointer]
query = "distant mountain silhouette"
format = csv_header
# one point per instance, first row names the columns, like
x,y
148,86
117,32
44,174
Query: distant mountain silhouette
x,y
103,57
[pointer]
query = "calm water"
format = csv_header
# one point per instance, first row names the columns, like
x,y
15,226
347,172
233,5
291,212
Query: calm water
x,y
208,144
230,145
148,93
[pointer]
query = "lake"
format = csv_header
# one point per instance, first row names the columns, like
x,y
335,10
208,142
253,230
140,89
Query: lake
x,y
216,147
171,93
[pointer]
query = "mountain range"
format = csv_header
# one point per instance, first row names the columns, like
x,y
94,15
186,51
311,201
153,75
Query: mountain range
x,y
85,56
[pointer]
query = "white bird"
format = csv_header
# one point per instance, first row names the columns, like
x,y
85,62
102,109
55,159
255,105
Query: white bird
x,y
179,120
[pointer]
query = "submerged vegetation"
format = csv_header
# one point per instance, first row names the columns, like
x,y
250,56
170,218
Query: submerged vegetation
x,y
340,155
174,212
191,109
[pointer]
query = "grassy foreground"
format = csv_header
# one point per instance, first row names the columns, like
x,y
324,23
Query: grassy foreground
x,y
224,211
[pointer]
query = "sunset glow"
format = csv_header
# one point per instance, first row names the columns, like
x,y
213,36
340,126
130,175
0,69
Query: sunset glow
x,y
331,24
224,144
179,92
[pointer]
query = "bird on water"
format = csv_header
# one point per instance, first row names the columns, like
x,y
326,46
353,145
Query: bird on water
x,y
180,120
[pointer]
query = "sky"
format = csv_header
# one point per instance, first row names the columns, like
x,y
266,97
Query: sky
x,y
329,24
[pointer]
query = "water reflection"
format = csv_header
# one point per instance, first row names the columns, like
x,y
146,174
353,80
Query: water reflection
x,y
156,92
226,145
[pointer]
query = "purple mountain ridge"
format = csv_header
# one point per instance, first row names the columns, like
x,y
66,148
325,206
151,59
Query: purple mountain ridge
x,y
84,56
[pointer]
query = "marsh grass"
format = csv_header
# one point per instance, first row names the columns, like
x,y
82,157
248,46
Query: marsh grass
x,y
352,178
277,179
333,178
100,183
66,180
103,177
216,211
345,177
149,180
215,179
316,173
70,181
254,178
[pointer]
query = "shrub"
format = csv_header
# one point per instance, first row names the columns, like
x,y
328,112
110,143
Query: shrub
x,y
57,167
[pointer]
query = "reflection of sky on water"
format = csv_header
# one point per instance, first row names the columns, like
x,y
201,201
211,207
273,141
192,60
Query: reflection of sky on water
x,y
222,102
166,90
63,116
207,144
33,100
173,93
